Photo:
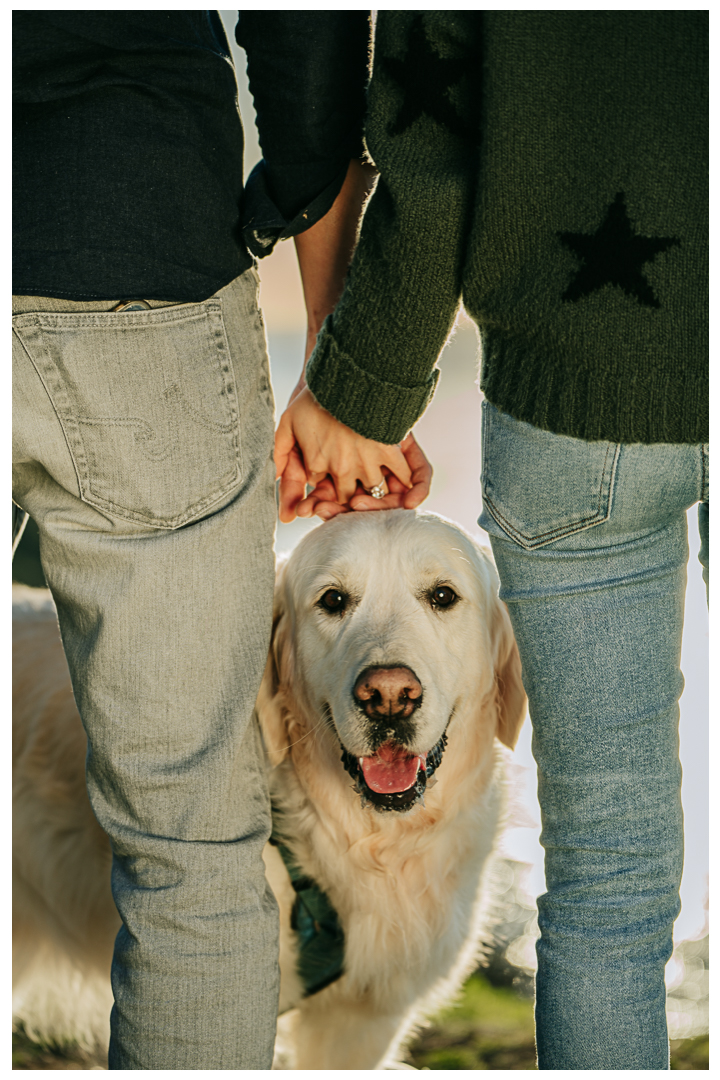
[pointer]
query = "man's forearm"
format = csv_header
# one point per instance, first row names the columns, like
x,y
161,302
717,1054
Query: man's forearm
x,y
325,250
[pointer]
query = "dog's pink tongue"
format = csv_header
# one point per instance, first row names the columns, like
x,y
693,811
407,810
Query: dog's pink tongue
x,y
391,768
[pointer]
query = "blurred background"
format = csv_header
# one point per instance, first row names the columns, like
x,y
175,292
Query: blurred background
x,y
492,1026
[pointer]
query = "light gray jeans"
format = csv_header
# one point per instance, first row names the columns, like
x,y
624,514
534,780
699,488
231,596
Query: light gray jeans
x,y
143,450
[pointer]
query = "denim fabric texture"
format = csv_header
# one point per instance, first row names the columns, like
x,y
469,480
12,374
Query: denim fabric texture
x,y
143,450
590,541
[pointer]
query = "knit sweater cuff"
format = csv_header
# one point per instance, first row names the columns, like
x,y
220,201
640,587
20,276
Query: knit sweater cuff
x,y
373,407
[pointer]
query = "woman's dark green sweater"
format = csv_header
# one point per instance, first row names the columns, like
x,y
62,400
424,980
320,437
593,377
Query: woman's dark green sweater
x,y
549,169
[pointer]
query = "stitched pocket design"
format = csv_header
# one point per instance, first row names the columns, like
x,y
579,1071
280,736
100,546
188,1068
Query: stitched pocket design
x,y
540,486
147,401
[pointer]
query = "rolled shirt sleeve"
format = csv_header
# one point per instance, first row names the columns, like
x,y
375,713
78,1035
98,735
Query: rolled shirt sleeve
x,y
308,73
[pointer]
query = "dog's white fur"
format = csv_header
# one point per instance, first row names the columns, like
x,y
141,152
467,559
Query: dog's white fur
x,y
64,918
407,886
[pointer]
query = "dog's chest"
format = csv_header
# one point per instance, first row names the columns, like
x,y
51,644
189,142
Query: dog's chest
x,y
388,910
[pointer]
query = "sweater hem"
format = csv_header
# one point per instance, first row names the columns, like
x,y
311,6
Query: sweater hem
x,y
618,404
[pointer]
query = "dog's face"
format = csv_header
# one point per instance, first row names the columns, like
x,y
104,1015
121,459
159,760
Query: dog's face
x,y
379,618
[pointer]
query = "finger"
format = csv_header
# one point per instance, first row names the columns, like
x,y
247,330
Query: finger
x,y
378,462
395,461
284,443
422,472
394,485
292,486
320,486
364,502
324,488
417,494
324,508
415,457
345,486
379,489
290,496
420,489
328,510
323,492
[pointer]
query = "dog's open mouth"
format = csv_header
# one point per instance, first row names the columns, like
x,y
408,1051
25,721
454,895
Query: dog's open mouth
x,y
392,778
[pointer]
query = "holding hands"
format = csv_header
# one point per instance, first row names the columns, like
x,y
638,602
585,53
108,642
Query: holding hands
x,y
313,448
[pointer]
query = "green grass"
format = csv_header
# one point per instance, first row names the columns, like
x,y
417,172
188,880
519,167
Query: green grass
x,y
492,1028
690,1053
489,1028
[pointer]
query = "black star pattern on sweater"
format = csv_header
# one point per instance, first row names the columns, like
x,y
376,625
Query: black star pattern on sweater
x,y
426,78
614,255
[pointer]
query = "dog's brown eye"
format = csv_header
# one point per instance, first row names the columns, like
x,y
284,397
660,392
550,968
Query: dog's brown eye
x,y
443,596
332,600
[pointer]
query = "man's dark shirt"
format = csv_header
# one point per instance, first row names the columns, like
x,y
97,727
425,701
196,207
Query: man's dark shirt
x,y
128,145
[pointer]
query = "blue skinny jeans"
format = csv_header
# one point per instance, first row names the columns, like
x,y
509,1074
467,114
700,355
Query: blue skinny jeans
x,y
590,541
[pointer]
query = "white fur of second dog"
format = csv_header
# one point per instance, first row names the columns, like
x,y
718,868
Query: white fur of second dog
x,y
407,886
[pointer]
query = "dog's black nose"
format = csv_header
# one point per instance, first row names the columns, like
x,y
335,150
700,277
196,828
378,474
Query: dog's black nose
x,y
388,693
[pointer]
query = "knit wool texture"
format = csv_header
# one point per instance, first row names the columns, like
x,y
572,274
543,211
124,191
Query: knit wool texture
x,y
549,168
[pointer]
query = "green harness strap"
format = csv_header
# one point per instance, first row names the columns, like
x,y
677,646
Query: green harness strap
x,y
321,941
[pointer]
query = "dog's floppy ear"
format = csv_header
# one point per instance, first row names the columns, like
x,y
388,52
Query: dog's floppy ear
x,y
512,701
278,673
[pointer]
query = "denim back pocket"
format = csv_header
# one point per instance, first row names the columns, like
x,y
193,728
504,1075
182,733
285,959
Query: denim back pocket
x,y
148,405
540,487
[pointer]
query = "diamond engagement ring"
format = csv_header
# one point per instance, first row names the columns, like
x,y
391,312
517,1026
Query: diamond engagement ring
x,y
378,492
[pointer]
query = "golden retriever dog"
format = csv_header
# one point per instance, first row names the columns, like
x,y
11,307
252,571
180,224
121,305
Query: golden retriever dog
x,y
392,680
